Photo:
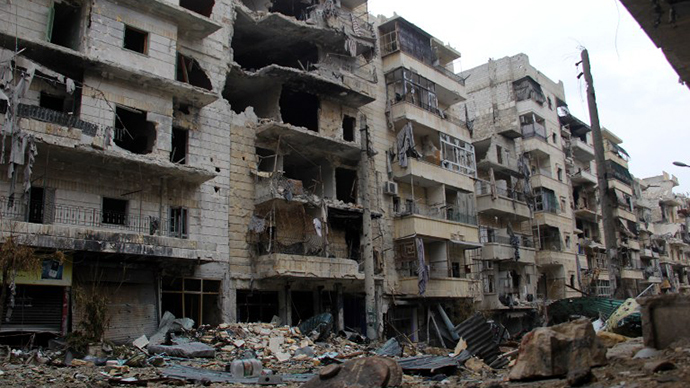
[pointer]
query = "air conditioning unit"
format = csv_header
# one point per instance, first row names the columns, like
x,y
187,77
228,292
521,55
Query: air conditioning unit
x,y
390,188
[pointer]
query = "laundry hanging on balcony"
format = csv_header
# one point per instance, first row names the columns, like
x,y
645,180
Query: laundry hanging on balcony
x,y
406,145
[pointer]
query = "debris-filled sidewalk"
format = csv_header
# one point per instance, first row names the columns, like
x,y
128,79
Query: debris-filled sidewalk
x,y
573,353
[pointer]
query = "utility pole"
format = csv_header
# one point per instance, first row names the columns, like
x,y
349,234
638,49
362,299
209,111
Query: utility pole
x,y
367,246
611,241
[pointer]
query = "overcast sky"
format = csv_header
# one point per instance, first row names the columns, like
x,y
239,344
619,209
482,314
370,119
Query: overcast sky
x,y
638,92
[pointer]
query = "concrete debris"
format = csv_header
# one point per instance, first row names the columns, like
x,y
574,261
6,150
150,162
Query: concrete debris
x,y
567,349
665,319
611,339
647,353
391,348
141,342
317,327
363,372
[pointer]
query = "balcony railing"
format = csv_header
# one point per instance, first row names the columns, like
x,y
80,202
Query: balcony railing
x,y
50,116
58,214
484,188
311,245
442,114
440,213
534,130
390,44
523,240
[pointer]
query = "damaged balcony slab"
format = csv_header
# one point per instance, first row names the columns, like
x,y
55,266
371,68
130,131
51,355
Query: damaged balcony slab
x,y
268,133
506,252
440,288
334,84
65,60
309,267
267,31
189,24
432,119
88,239
462,234
427,174
503,207
123,161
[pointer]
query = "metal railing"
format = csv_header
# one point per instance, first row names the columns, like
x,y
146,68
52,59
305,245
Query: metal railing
x,y
310,245
439,213
59,214
484,188
389,44
524,240
438,112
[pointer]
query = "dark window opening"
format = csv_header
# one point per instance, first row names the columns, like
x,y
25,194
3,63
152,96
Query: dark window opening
x,y
132,132
136,40
499,154
267,159
346,185
296,8
202,7
300,109
189,71
302,306
177,226
56,103
114,211
197,299
180,140
257,306
349,124
256,49
63,27
36,205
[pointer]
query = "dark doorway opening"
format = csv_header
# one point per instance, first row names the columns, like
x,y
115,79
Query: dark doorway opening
x,y
189,71
349,124
114,211
36,205
133,132
346,185
295,8
300,109
64,29
202,7
180,140
256,306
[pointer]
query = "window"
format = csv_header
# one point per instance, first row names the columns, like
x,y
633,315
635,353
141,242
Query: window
x,y
189,71
457,155
177,226
136,40
197,299
545,200
567,240
202,7
36,205
114,211
396,205
132,132
349,124
559,173
499,154
603,288
180,139
64,25
489,284
563,204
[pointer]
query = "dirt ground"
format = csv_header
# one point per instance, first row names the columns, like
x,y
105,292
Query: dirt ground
x,y
622,371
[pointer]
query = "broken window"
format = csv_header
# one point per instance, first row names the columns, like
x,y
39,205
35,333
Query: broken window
x,y
405,85
197,299
533,126
457,155
299,109
256,306
202,7
177,226
346,185
189,71
545,200
132,132
136,40
56,103
298,9
527,88
114,211
64,25
349,124
180,140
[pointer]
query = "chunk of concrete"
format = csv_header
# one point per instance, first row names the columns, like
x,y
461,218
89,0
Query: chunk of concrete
x,y
366,372
190,350
665,319
566,349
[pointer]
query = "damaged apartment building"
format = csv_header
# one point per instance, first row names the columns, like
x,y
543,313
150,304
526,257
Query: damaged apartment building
x,y
426,168
524,195
115,153
300,73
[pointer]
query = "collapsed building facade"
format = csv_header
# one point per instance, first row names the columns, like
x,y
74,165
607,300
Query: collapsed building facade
x,y
213,159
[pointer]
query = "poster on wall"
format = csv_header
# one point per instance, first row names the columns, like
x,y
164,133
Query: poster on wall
x,y
52,269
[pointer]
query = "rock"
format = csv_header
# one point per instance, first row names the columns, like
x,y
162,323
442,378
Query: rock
x,y
625,350
548,352
658,366
306,351
647,353
367,372
611,339
476,365
577,378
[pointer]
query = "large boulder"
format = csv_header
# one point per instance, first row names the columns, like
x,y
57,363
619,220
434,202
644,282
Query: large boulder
x,y
568,349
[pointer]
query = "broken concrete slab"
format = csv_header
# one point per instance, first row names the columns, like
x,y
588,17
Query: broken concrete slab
x,y
566,349
363,372
665,319
163,329
190,350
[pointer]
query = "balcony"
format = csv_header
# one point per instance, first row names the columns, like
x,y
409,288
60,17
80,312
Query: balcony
x,y
547,258
427,174
624,214
78,228
632,273
499,248
68,61
508,203
430,118
449,89
269,132
583,177
189,24
581,150
459,228
586,213
441,288
511,132
280,265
